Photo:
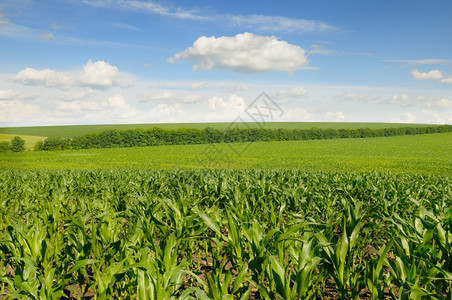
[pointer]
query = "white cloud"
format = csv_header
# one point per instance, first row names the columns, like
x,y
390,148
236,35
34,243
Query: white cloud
x,y
191,98
235,88
10,94
3,20
403,100
78,93
112,109
433,74
292,92
335,116
320,49
124,26
197,85
17,112
447,80
244,53
149,7
427,61
234,103
407,117
358,97
435,117
96,75
297,114
46,36
165,96
436,102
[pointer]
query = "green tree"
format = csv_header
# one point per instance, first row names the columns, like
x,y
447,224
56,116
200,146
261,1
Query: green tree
x,y
4,146
17,144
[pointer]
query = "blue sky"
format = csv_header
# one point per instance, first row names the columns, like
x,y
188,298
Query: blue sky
x,y
140,61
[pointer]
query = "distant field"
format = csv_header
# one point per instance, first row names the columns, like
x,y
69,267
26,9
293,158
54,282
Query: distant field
x,y
77,130
421,154
30,140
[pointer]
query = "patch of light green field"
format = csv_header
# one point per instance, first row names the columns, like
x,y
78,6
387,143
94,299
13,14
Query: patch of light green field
x,y
77,130
421,154
30,140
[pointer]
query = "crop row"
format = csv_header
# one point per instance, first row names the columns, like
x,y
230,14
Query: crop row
x,y
224,235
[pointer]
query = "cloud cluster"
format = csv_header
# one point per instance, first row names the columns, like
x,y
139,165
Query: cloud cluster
x,y
10,94
405,100
431,75
95,75
244,53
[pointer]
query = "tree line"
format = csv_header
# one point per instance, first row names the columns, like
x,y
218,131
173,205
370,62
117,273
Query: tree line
x,y
184,136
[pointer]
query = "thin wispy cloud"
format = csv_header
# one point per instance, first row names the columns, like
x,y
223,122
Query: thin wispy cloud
x,y
124,26
148,7
46,36
263,23
427,61
278,24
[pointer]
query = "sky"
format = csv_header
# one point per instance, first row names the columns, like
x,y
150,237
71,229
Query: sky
x,y
66,62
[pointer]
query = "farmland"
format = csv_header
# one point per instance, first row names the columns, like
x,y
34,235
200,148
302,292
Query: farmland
x,y
420,154
211,234
367,218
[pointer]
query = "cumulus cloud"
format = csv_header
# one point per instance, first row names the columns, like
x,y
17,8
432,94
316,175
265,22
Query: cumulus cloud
x,y
96,75
244,53
10,94
435,117
404,100
406,117
297,114
335,116
115,106
16,111
234,103
447,80
197,85
433,74
435,102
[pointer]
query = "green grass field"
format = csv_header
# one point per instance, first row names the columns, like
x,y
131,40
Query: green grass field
x,y
77,130
421,154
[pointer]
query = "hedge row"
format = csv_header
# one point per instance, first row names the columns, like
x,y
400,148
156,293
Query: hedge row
x,y
157,136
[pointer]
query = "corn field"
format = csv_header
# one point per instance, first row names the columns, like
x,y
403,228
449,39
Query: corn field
x,y
213,234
